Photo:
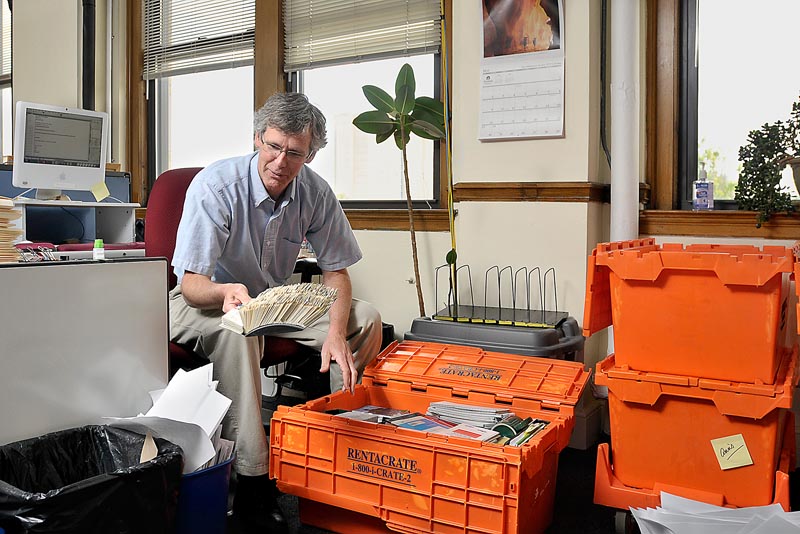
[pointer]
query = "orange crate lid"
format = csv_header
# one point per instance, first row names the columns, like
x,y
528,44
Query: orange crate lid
x,y
742,399
643,259
733,264
471,369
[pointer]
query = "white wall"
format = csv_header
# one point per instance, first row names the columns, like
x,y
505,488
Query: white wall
x,y
385,276
566,159
46,52
47,56
529,234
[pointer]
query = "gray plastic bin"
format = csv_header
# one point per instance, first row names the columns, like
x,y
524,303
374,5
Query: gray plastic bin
x,y
564,342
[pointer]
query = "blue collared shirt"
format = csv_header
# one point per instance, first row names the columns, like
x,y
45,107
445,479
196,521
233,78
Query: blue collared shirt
x,y
232,231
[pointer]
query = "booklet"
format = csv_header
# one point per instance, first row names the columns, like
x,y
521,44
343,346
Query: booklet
x,y
424,423
385,415
471,432
483,416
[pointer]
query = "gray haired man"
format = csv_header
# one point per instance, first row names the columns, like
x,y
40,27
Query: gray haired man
x,y
243,224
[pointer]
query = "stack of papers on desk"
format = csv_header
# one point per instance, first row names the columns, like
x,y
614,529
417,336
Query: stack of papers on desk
x,y
188,413
678,515
8,234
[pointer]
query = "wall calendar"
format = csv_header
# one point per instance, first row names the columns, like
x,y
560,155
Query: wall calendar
x,y
522,70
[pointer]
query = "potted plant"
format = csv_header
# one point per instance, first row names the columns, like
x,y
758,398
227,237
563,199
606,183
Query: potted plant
x,y
398,117
792,142
768,150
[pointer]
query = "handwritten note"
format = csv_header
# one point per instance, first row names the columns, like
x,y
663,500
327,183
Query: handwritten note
x,y
731,452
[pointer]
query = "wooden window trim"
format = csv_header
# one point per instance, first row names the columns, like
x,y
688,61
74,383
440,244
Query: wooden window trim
x,y
662,117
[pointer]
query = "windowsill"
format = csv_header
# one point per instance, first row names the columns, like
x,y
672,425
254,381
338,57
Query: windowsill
x,y
717,224
425,220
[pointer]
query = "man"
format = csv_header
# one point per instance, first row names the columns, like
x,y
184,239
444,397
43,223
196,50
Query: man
x,y
243,223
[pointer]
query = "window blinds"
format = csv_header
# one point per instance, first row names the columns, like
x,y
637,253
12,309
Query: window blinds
x,y
185,36
332,32
5,41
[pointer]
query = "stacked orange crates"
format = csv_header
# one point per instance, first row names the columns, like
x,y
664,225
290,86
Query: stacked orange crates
x,y
702,352
359,477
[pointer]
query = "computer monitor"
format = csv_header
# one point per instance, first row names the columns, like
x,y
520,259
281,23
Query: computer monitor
x,y
58,148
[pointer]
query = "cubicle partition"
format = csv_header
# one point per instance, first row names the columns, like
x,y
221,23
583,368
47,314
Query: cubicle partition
x,y
80,341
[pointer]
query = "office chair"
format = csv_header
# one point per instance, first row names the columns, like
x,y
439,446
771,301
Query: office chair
x,y
164,210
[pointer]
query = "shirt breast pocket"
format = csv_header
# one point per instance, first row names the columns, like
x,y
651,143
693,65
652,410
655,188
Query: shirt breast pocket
x,y
286,257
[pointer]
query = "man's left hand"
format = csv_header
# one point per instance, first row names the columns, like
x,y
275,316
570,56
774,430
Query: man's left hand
x,y
337,349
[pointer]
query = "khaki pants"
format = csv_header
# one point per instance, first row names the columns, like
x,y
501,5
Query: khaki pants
x,y
236,365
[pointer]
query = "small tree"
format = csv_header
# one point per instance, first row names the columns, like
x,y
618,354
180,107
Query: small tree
x,y
399,117
763,158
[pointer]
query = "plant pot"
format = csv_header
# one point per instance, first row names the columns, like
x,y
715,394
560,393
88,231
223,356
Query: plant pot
x,y
794,163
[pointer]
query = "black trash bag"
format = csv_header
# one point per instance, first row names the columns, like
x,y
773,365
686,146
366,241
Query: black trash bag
x,y
88,480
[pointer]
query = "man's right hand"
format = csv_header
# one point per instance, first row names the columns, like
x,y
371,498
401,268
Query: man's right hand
x,y
200,292
235,295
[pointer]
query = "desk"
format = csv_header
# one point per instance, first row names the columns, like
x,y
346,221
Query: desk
x,y
81,340
48,220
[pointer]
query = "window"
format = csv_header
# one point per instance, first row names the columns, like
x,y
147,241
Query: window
x,y
6,109
198,58
323,51
356,167
203,117
738,74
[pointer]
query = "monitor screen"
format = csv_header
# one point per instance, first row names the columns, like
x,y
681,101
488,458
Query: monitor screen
x,y
58,148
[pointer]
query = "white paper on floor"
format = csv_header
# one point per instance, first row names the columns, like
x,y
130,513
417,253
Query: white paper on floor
x,y
678,515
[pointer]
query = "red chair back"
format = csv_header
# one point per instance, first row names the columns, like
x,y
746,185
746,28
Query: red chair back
x,y
164,210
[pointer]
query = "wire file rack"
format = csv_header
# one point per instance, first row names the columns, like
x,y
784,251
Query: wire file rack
x,y
529,291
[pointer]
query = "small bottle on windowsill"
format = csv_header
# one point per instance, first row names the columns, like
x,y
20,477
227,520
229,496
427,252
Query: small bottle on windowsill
x,y
703,192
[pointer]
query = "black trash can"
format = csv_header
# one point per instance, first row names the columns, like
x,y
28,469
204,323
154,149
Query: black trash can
x,y
88,480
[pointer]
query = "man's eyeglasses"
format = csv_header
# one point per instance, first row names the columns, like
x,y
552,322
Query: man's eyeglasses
x,y
275,150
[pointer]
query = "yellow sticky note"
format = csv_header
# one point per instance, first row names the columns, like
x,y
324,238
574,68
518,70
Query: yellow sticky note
x,y
100,191
731,451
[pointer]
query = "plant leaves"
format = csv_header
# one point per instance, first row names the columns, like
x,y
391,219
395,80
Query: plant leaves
x,y
404,103
425,115
381,137
426,130
451,257
432,106
405,78
379,98
401,143
374,122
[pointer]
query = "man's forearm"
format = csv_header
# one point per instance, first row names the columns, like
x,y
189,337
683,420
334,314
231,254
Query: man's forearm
x,y
339,313
200,291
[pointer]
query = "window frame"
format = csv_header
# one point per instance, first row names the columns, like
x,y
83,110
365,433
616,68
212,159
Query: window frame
x,y
268,78
688,146
7,79
295,84
663,116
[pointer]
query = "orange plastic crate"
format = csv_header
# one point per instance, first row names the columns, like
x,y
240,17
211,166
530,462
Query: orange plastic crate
x,y
714,311
419,482
609,491
662,427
